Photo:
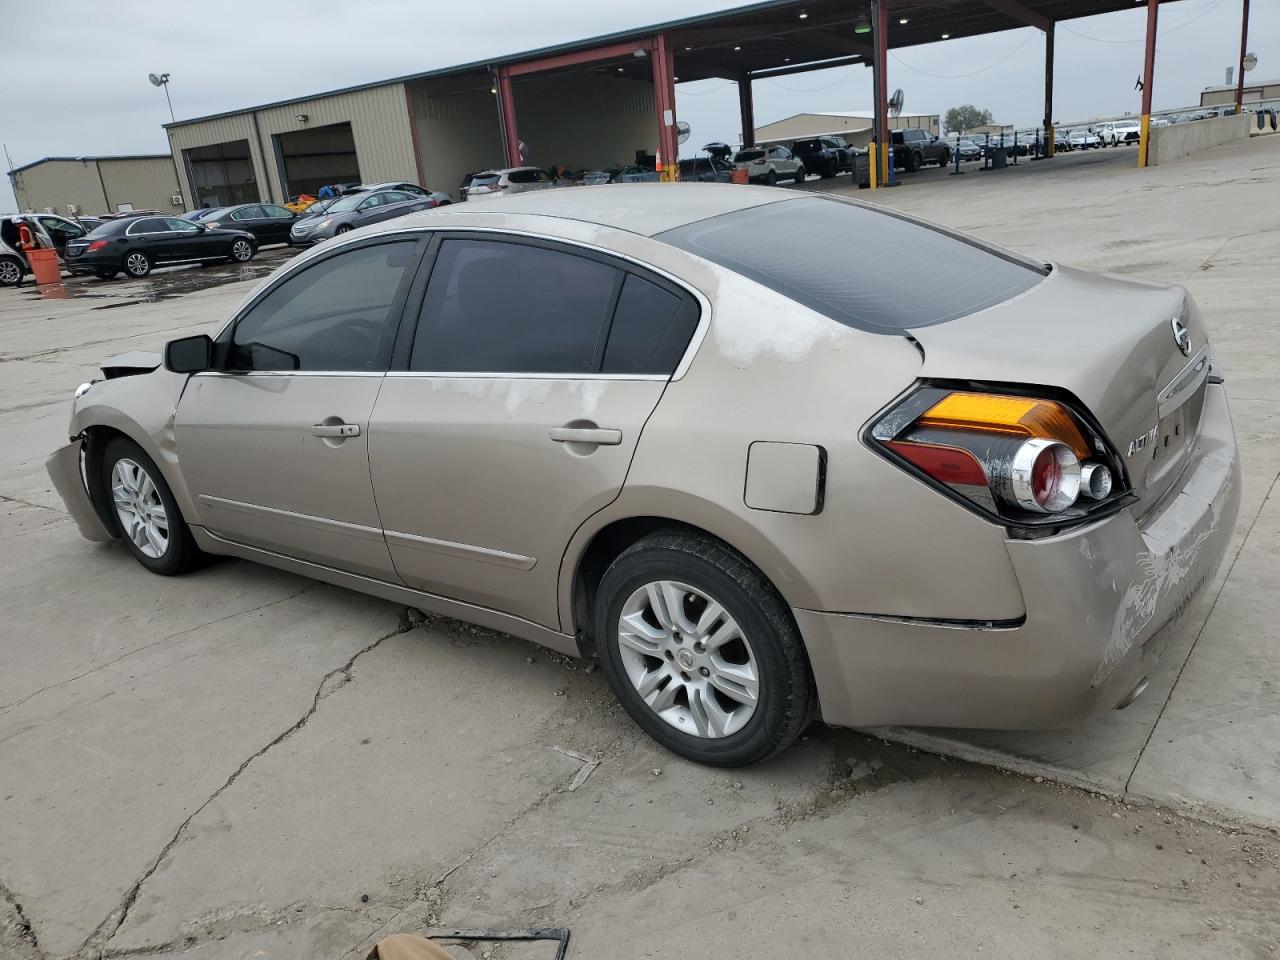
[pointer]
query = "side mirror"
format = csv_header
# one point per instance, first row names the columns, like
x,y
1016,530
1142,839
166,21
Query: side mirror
x,y
189,354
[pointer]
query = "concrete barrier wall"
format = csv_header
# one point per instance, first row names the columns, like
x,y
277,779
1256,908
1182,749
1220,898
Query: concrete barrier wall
x,y
1183,139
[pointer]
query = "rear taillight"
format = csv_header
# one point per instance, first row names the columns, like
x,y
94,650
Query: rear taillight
x,y
1024,460
96,245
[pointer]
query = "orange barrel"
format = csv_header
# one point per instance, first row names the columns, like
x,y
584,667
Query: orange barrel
x,y
44,264
739,175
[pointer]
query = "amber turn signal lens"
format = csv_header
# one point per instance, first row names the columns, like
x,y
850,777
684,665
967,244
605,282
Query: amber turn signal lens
x,y
1017,416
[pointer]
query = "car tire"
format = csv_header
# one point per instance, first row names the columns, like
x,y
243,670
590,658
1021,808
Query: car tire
x,y
801,174
915,160
146,515
945,158
763,644
771,178
240,251
137,264
345,228
11,271
106,274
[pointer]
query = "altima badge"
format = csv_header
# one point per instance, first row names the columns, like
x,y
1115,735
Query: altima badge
x,y
1140,443
1181,336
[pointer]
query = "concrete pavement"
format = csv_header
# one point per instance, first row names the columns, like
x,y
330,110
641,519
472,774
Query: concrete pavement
x,y
243,763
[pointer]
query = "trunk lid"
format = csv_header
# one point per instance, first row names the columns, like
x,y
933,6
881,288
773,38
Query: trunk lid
x,y
1107,340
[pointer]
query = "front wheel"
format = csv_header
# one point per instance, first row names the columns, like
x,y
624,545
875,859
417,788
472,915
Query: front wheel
x,y
241,251
801,174
701,650
771,178
149,520
105,274
137,264
345,228
945,158
11,271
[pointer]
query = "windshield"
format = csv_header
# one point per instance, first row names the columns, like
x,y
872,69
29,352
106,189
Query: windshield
x,y
862,267
346,203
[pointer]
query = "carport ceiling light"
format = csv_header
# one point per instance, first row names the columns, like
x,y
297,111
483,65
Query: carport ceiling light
x,y
804,15
903,20
862,26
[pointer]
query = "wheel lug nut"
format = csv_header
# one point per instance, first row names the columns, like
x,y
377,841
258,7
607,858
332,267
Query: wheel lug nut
x,y
685,677
704,671
667,654
699,647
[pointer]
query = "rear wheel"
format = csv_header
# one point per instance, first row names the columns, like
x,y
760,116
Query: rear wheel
x,y
150,522
771,178
702,651
801,174
945,158
11,271
241,251
915,160
137,264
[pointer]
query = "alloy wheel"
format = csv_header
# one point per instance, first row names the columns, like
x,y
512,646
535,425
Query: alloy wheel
x,y
139,508
241,250
10,273
136,264
688,659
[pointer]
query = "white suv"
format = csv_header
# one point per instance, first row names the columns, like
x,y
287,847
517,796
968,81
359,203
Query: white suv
x,y
769,164
1120,132
509,180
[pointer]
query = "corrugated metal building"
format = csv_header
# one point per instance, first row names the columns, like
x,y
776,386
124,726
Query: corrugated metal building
x,y
1253,92
96,184
432,130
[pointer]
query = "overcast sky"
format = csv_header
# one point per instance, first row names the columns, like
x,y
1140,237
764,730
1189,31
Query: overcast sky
x,y
86,63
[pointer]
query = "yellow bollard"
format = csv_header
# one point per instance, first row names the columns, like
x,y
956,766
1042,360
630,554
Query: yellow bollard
x,y
872,169
1144,140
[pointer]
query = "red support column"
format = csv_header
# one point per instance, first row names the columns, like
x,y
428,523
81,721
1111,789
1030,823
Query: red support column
x,y
747,110
1244,49
507,116
664,100
1048,91
1148,79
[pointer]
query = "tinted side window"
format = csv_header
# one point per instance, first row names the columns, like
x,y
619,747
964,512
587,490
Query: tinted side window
x,y
274,211
523,176
651,329
147,225
512,308
331,316
178,225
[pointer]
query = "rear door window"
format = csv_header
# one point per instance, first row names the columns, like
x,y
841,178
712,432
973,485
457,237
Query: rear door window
x,y
860,266
501,307
651,328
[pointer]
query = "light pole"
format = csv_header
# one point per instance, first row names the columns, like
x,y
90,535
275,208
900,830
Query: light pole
x,y
162,80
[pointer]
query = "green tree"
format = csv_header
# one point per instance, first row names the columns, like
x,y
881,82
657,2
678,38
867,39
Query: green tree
x,y
960,119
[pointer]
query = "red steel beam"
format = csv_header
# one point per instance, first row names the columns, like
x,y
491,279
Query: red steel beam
x,y
507,116
664,100
1148,78
578,58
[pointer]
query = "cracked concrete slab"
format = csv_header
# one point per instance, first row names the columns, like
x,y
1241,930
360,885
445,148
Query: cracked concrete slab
x,y
99,772
419,774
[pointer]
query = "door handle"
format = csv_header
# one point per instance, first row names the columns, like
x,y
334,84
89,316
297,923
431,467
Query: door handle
x,y
597,435
336,430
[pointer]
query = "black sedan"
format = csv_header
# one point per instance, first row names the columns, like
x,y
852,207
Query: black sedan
x,y
137,244
268,222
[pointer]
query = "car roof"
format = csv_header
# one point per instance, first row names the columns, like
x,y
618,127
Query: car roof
x,y
643,208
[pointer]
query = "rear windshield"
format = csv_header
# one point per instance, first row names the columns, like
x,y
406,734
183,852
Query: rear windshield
x,y
748,155
865,268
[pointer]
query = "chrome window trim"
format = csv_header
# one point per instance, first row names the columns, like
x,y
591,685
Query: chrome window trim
x,y
335,246
290,373
487,375
129,231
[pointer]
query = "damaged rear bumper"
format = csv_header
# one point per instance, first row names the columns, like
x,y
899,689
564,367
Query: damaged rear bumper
x,y
1101,601
68,480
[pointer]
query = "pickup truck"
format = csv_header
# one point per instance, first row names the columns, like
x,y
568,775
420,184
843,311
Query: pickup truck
x,y
825,156
914,147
